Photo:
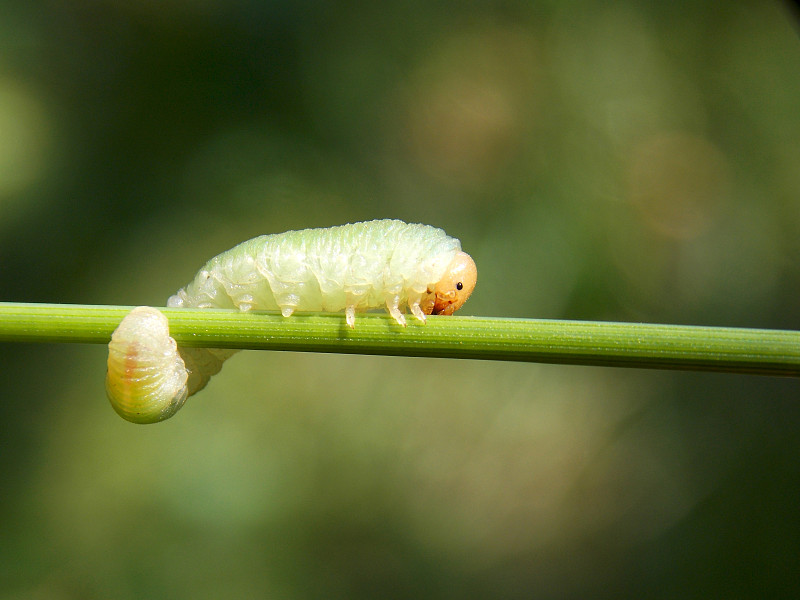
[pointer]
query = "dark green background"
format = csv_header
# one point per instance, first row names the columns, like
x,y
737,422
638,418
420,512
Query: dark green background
x,y
633,161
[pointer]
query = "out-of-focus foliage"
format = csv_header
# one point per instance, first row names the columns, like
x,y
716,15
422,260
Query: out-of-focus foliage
x,y
622,161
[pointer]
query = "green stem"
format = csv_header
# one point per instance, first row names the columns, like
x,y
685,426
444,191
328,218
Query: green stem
x,y
757,351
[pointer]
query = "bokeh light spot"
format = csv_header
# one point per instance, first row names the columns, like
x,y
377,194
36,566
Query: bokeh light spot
x,y
24,138
677,181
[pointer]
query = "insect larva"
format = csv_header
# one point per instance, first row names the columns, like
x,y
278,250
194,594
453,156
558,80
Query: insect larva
x,y
146,379
352,267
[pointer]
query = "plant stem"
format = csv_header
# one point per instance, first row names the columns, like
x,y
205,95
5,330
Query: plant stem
x,y
755,351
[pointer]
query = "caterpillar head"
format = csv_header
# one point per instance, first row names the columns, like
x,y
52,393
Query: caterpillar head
x,y
456,285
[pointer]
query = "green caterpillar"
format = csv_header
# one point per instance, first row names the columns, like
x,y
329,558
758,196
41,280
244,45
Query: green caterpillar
x,y
353,267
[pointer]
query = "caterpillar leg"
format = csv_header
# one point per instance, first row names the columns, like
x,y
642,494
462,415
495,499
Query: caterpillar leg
x,y
414,306
393,306
417,312
287,303
353,302
244,302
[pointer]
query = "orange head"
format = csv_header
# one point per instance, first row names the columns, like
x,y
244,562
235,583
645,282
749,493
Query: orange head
x,y
456,285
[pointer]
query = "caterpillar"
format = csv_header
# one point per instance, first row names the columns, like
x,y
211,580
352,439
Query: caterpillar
x,y
350,268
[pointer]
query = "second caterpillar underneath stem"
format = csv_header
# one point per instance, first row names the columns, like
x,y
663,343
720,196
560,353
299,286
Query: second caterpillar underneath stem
x,y
353,267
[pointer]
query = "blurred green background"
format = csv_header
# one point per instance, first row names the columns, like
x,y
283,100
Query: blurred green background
x,y
632,161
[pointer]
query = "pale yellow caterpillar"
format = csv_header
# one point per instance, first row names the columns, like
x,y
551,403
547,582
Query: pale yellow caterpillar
x,y
352,267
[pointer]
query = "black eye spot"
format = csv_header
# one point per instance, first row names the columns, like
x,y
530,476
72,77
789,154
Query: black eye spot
x,y
459,285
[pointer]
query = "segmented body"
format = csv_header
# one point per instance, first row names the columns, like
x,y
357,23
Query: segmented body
x,y
146,378
352,267
361,265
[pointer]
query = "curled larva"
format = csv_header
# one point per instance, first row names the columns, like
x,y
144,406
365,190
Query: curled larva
x,y
352,267
149,377
146,379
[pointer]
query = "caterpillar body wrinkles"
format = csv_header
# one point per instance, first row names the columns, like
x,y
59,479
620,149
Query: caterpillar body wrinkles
x,y
355,267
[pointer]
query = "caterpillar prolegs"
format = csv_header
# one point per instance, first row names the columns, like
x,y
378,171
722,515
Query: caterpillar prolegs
x,y
353,267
